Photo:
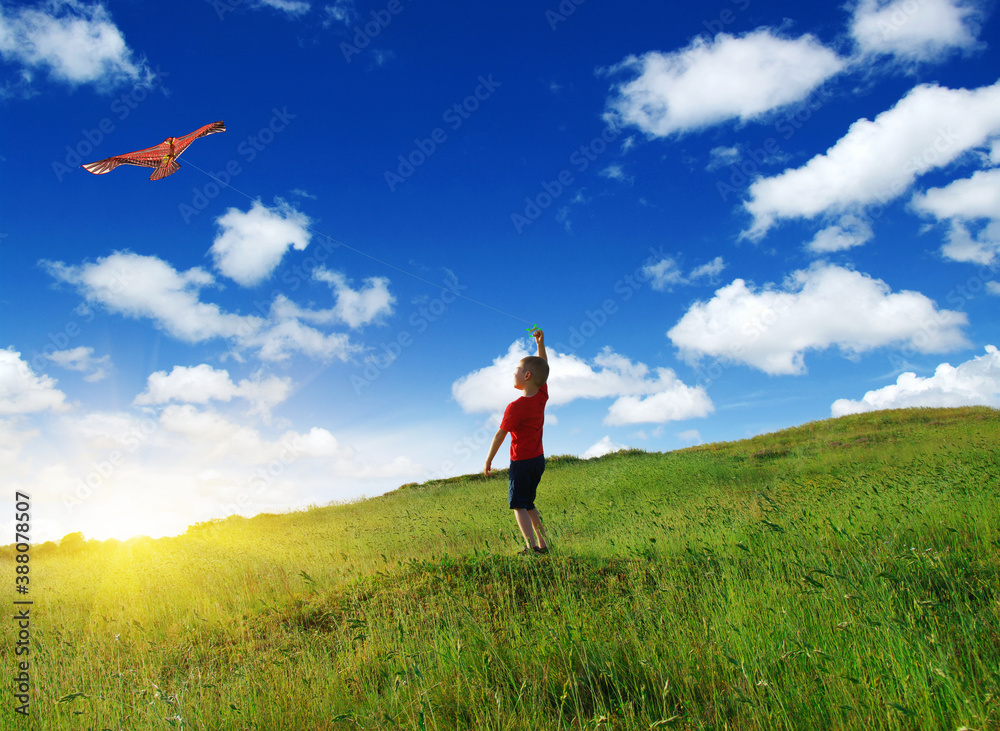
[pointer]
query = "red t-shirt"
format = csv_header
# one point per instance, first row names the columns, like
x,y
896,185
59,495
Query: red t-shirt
x,y
524,419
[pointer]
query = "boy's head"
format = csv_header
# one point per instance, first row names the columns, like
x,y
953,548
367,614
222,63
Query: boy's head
x,y
531,369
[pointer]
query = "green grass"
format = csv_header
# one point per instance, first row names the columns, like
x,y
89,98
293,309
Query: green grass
x,y
844,574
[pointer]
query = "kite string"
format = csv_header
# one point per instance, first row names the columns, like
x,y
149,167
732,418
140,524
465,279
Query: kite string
x,y
369,256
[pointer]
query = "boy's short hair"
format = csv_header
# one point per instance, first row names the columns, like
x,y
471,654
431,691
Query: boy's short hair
x,y
538,367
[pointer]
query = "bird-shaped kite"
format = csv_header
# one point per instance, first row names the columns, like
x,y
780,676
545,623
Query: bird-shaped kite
x,y
163,156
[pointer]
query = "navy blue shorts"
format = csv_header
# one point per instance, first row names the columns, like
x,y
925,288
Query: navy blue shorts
x,y
524,477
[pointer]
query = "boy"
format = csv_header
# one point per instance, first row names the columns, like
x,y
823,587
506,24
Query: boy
x,y
524,419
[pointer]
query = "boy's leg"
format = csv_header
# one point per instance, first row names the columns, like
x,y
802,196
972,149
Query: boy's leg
x,y
536,522
524,522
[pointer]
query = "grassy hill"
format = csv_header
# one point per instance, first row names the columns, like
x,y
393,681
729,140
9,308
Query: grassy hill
x,y
844,574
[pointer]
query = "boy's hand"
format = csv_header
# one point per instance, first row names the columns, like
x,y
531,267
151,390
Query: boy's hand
x,y
487,467
539,337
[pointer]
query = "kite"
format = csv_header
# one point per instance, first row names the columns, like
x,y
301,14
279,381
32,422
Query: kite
x,y
163,156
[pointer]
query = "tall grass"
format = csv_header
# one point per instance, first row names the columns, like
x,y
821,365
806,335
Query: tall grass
x,y
840,575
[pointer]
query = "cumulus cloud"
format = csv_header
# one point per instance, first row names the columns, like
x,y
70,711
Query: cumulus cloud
x,y
849,232
914,30
877,161
218,438
358,307
82,359
74,41
714,81
601,448
141,286
641,394
201,383
772,328
975,382
975,197
22,391
980,246
963,204
251,244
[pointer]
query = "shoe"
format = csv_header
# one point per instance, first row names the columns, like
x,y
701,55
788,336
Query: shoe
x,y
526,552
542,551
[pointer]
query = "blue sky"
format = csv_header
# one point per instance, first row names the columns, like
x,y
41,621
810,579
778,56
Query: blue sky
x,y
729,218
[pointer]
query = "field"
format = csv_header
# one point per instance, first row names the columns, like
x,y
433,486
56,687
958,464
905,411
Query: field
x,y
844,574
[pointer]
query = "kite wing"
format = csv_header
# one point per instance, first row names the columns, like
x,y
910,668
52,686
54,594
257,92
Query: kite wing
x,y
148,158
182,143
163,156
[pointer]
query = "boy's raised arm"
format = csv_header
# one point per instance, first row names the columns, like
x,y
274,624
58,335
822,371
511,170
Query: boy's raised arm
x,y
540,342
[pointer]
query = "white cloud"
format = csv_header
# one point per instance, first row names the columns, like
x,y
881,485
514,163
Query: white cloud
x,y
691,436
709,270
975,382
22,391
82,359
851,231
250,245
285,335
640,395
916,30
614,172
294,8
728,78
816,308
342,11
358,307
217,438
721,157
979,247
962,202
201,383
975,197
74,41
665,273
147,287
601,448
673,401
877,161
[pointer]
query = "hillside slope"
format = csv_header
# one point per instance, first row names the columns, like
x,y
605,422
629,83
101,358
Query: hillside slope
x,y
842,574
